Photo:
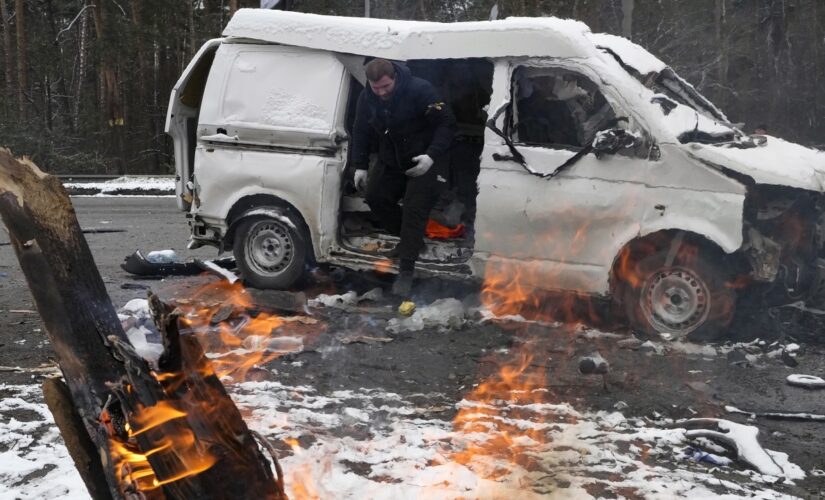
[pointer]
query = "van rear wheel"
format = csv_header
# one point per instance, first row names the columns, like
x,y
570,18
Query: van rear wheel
x,y
270,252
681,298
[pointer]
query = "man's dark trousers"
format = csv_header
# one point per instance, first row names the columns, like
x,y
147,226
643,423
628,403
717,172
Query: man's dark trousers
x,y
419,194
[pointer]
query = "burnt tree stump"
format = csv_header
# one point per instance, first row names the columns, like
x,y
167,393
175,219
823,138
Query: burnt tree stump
x,y
133,430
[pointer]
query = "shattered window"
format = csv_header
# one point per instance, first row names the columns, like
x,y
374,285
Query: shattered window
x,y
557,108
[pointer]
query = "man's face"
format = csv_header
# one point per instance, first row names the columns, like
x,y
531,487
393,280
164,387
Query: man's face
x,y
383,88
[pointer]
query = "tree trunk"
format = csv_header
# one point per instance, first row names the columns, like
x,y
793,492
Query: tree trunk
x,y
168,432
722,42
83,40
234,5
22,61
8,53
627,19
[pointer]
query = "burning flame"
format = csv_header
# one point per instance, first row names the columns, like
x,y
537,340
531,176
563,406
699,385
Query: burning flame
x,y
490,432
132,466
236,335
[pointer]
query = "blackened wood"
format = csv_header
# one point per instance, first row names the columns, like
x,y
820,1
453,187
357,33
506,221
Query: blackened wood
x,y
108,382
68,291
81,448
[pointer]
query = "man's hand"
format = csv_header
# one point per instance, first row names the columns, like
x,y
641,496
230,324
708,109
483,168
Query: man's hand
x,y
360,179
422,165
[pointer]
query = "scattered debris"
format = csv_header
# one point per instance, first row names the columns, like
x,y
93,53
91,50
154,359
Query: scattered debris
x,y
162,257
346,300
697,455
139,265
133,286
775,415
406,308
443,314
101,230
806,381
743,439
593,364
365,339
44,369
210,266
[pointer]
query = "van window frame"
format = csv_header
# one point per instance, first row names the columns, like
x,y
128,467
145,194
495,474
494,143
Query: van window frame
x,y
634,122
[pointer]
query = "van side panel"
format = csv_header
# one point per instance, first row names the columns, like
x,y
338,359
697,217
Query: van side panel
x,y
269,124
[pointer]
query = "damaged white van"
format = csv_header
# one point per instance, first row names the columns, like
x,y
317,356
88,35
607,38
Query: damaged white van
x,y
599,170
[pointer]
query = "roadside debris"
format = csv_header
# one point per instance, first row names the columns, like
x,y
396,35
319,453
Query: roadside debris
x,y
444,314
162,257
139,265
210,266
806,381
593,364
775,415
743,439
365,339
346,300
406,308
45,369
698,455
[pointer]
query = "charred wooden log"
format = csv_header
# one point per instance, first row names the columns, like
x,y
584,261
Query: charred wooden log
x,y
169,431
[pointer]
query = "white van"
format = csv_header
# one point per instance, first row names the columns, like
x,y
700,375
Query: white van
x,y
602,172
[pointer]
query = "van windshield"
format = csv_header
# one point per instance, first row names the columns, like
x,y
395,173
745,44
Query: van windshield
x,y
692,116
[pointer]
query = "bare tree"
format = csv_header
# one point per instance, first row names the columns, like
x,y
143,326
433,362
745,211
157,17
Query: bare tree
x,y
8,53
22,61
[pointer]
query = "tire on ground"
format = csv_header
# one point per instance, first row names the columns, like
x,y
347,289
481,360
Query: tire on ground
x,y
687,296
271,252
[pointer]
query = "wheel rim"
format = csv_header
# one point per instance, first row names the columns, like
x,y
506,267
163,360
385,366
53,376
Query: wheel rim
x,y
675,300
269,247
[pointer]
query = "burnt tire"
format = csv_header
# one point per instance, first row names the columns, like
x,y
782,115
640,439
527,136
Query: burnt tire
x,y
687,296
271,252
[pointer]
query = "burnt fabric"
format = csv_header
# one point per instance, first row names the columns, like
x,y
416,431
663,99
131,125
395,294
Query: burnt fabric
x,y
386,186
414,121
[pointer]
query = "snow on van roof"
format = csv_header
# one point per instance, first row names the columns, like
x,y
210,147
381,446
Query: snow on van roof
x,y
405,40
635,56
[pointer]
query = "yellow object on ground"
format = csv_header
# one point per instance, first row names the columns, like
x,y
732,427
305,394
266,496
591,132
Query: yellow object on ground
x,y
406,308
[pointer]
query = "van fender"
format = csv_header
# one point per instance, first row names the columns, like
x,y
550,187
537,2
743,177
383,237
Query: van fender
x,y
727,235
266,205
718,217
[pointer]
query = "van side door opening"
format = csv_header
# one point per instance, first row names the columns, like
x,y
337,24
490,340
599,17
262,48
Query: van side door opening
x,y
466,84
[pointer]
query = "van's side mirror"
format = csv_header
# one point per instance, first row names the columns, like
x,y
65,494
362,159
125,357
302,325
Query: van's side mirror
x,y
611,141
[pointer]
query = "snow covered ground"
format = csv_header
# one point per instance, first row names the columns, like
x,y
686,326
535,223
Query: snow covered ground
x,y
374,444
124,186
499,441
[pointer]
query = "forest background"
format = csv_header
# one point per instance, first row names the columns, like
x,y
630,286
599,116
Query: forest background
x,y
85,83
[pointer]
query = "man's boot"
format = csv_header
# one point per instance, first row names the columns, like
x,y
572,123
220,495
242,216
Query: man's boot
x,y
402,287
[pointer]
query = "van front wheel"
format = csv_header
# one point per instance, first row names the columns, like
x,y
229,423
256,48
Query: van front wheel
x,y
270,252
678,298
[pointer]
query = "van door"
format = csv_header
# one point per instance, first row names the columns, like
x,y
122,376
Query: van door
x,y
182,118
271,127
560,232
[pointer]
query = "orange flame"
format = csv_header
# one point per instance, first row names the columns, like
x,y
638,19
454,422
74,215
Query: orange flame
x,y
236,335
132,466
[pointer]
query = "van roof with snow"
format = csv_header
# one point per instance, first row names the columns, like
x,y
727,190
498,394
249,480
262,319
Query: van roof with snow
x,y
404,40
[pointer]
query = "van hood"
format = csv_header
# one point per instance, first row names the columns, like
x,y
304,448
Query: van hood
x,y
777,162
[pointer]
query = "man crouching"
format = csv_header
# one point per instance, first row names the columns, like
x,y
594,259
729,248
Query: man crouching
x,y
414,130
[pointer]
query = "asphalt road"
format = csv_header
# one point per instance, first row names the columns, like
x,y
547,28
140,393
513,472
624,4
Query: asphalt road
x,y
675,384
148,224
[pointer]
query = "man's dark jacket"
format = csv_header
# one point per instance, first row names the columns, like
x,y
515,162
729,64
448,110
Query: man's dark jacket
x,y
414,121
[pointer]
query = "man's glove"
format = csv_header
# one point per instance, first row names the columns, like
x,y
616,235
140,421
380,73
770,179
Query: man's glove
x,y
360,179
422,165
